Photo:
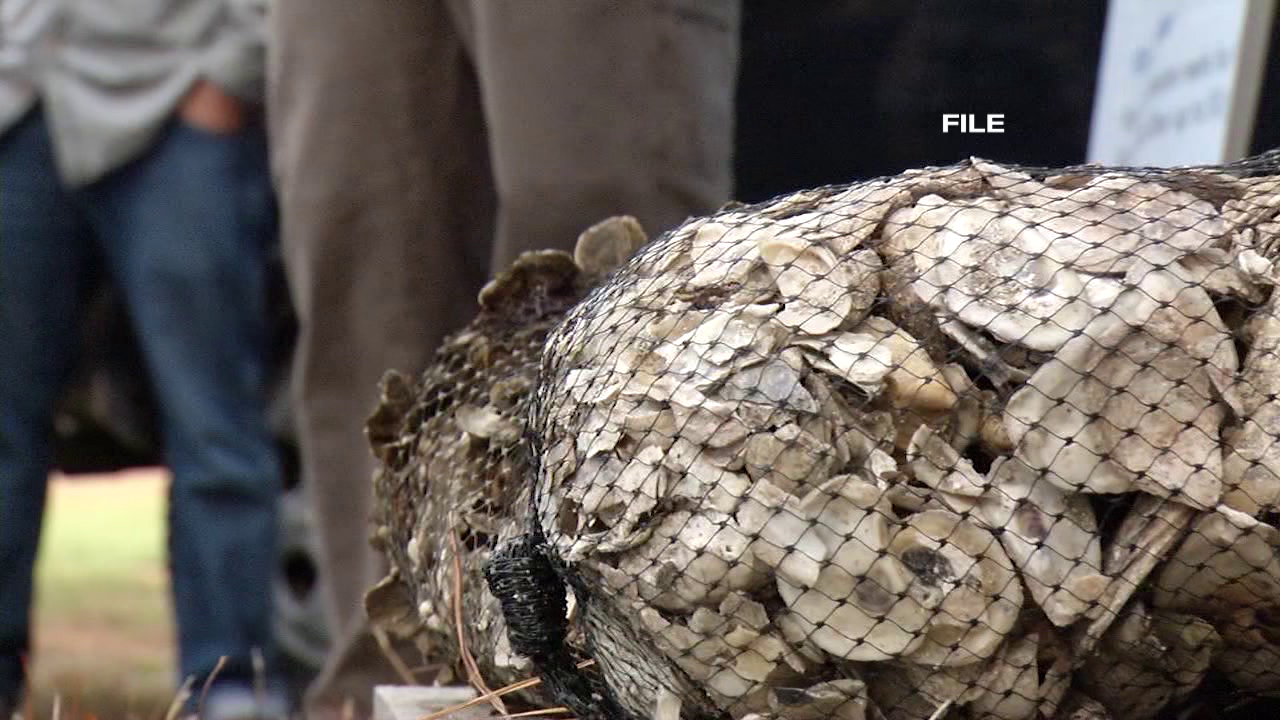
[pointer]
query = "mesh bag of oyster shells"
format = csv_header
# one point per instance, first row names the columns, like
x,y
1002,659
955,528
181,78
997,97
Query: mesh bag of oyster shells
x,y
967,442
452,479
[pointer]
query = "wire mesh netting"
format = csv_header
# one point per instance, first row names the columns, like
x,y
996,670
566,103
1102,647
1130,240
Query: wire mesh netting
x,y
453,478
978,441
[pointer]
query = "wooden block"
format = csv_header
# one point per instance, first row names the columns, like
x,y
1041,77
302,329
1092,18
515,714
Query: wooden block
x,y
411,702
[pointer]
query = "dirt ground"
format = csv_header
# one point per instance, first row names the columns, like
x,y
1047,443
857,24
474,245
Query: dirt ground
x,y
104,634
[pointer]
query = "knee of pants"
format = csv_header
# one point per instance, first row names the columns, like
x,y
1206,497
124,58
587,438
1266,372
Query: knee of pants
x,y
200,315
201,283
229,478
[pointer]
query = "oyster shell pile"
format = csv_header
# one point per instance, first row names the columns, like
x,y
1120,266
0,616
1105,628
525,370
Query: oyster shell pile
x,y
964,442
453,474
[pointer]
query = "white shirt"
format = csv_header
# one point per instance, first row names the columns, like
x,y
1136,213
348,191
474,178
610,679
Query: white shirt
x,y
109,73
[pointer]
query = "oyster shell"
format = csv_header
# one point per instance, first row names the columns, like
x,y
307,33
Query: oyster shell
x,y
814,284
1051,537
1252,463
849,602
1228,560
842,699
993,271
1145,663
608,244
963,578
1118,409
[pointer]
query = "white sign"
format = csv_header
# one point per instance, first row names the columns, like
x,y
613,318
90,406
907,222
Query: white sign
x,y
1178,81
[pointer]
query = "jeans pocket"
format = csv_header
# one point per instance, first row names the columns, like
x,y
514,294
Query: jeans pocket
x,y
181,123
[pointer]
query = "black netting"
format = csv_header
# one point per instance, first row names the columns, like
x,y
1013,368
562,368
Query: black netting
x,y
453,475
967,442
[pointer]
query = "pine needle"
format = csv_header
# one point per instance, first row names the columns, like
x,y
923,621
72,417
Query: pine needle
x,y
481,699
539,713
473,670
389,652
184,694
208,683
259,677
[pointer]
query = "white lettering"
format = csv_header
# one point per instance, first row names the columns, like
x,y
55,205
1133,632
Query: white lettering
x,y
969,123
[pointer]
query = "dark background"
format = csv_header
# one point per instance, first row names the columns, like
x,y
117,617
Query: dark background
x,y
840,90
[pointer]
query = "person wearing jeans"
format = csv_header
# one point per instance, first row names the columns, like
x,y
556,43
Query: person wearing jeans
x,y
130,150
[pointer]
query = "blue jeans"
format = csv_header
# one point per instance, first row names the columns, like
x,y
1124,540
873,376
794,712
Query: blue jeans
x,y
183,233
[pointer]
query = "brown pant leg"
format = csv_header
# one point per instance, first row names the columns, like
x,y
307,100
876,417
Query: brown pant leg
x,y
386,205
600,107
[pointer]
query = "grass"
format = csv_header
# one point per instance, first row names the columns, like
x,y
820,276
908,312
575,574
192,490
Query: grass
x,y
104,633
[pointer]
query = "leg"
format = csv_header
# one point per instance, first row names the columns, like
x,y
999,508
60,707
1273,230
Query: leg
x,y
185,229
386,206
597,108
44,260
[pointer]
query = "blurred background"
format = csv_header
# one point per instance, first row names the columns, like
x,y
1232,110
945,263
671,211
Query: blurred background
x,y
838,91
